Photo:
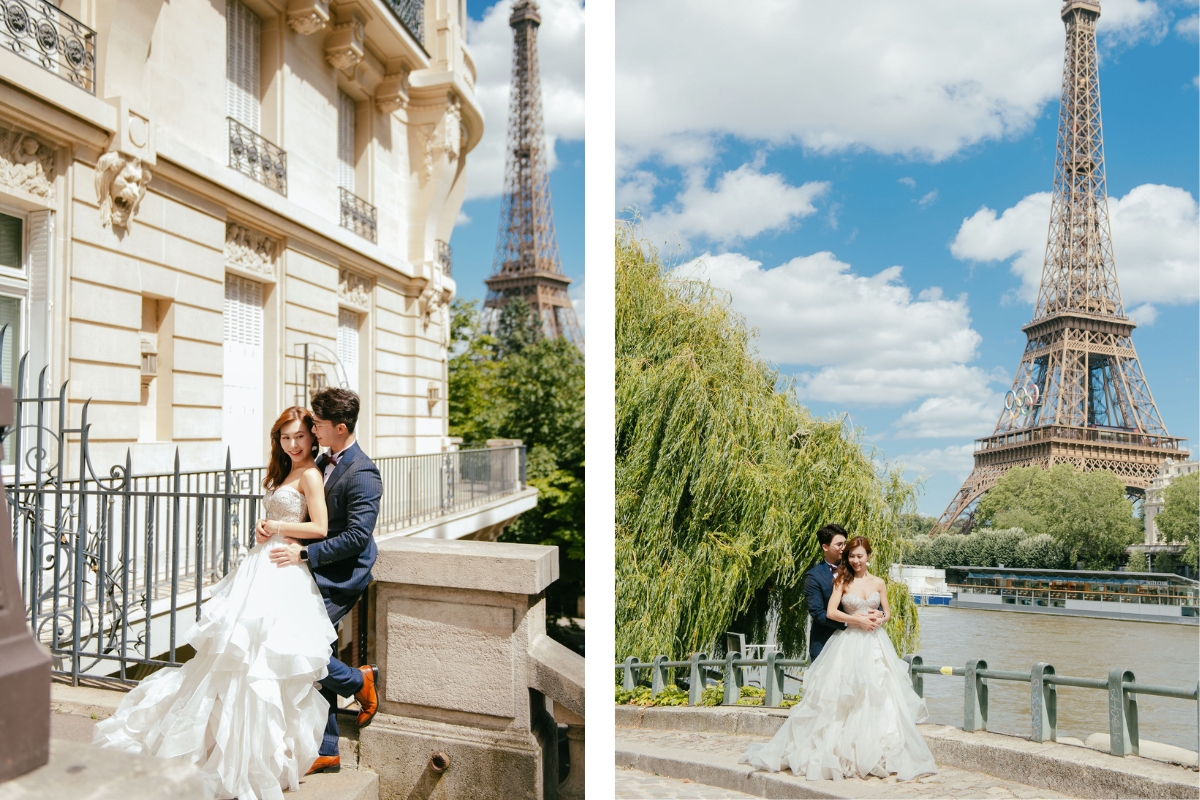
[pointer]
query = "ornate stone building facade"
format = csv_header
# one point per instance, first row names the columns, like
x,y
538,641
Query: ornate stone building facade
x,y
208,207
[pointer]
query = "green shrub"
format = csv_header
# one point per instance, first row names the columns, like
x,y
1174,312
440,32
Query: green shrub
x,y
712,696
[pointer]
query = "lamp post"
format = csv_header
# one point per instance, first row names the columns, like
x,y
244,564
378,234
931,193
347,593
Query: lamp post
x,y
24,665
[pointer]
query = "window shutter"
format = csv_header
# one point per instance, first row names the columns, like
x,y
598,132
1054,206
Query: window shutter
x,y
243,35
41,273
347,345
346,110
243,311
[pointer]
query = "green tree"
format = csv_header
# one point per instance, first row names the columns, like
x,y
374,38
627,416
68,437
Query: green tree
x,y
723,478
1179,521
1086,512
520,385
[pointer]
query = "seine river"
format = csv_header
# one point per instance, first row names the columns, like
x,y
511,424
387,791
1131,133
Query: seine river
x,y
1087,648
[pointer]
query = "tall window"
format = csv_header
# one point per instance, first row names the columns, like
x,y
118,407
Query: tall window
x,y
11,254
347,345
243,34
346,141
243,404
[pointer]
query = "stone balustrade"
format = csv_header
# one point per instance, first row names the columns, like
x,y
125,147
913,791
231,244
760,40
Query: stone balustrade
x,y
467,670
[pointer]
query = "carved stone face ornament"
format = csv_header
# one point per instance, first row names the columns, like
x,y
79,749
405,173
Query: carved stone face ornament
x,y
121,183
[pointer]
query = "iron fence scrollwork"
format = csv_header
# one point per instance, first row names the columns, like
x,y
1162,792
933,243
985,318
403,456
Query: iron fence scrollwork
x,y
255,157
358,215
50,38
445,256
411,14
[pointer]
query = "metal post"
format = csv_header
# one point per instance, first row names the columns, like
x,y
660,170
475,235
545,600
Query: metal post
x,y
918,680
975,697
1122,714
697,679
658,676
629,679
1043,704
733,679
774,680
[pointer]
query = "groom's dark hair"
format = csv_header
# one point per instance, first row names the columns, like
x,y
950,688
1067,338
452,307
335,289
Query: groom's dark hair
x,y
824,536
339,406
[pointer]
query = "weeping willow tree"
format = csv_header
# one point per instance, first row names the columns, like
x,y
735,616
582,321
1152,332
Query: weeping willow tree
x,y
723,477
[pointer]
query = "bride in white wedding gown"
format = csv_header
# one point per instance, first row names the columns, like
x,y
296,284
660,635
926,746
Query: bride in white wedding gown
x,y
245,709
858,713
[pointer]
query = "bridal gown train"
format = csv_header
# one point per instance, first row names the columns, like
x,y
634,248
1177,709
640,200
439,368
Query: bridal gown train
x,y
858,713
245,709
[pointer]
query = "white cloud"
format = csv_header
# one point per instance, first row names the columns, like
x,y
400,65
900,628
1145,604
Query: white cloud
x,y
636,189
463,218
1156,244
928,199
909,182
955,416
956,460
922,80
1188,28
867,339
560,61
743,203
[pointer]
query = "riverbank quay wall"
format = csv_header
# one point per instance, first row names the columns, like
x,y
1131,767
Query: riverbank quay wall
x,y
1072,771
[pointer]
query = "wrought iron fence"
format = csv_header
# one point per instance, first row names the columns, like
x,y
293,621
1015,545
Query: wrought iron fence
x,y
50,38
1121,685
445,256
252,155
411,14
358,215
112,564
420,488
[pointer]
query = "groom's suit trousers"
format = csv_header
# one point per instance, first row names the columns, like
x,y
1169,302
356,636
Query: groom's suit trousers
x,y
342,680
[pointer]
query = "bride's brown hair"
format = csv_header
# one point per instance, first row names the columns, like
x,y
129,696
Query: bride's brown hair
x,y
844,573
280,465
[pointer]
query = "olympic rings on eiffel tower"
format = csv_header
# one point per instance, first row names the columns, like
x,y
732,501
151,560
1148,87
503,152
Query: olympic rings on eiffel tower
x,y
1020,403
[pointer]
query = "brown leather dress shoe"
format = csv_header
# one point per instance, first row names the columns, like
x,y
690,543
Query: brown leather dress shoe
x,y
326,764
367,697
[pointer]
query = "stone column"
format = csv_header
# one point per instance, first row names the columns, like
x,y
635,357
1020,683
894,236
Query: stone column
x,y
465,671
24,665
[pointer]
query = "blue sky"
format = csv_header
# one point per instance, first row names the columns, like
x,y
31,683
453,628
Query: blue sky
x,y
561,60
919,136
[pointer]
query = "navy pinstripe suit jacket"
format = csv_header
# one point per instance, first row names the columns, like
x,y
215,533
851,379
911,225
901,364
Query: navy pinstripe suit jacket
x,y
341,562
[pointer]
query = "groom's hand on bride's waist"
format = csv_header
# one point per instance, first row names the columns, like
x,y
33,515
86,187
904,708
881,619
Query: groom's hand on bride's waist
x,y
285,556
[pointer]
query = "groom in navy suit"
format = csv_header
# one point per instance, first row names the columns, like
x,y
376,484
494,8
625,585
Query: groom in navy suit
x,y
341,562
818,588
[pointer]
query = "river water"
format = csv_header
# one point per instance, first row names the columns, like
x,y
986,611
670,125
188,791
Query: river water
x,y
1156,653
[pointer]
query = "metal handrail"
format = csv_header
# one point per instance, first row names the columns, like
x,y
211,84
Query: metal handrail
x,y
257,158
1121,686
51,38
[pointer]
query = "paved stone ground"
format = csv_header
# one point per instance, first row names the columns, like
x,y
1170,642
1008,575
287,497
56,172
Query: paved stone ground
x,y
635,785
725,749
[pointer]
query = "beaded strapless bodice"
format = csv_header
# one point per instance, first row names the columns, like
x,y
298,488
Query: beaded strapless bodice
x,y
286,504
853,604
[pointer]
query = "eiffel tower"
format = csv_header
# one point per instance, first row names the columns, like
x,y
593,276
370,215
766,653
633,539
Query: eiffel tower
x,y
1079,396
527,263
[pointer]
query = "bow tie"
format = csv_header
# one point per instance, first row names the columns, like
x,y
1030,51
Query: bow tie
x,y
332,459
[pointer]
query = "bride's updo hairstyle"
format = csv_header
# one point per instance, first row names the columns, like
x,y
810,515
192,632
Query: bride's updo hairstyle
x,y
281,463
845,573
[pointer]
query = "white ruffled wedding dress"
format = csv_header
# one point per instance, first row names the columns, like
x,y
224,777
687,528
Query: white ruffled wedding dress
x,y
858,713
245,709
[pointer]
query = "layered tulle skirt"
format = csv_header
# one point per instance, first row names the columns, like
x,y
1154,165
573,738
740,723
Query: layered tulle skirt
x,y
245,709
857,717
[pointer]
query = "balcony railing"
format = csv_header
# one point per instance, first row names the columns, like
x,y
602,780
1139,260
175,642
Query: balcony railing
x,y
1101,435
255,157
56,41
411,14
445,256
358,215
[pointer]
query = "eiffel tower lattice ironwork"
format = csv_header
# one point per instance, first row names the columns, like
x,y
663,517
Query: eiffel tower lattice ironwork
x,y
1079,396
527,263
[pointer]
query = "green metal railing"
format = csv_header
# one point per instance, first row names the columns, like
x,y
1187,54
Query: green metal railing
x,y
1121,686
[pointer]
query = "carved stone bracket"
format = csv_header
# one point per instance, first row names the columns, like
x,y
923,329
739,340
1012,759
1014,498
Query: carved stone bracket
x,y
446,136
251,251
26,163
435,299
307,17
344,45
354,289
392,93
121,183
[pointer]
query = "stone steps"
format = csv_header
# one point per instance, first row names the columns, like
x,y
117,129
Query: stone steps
x,y
703,744
75,710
